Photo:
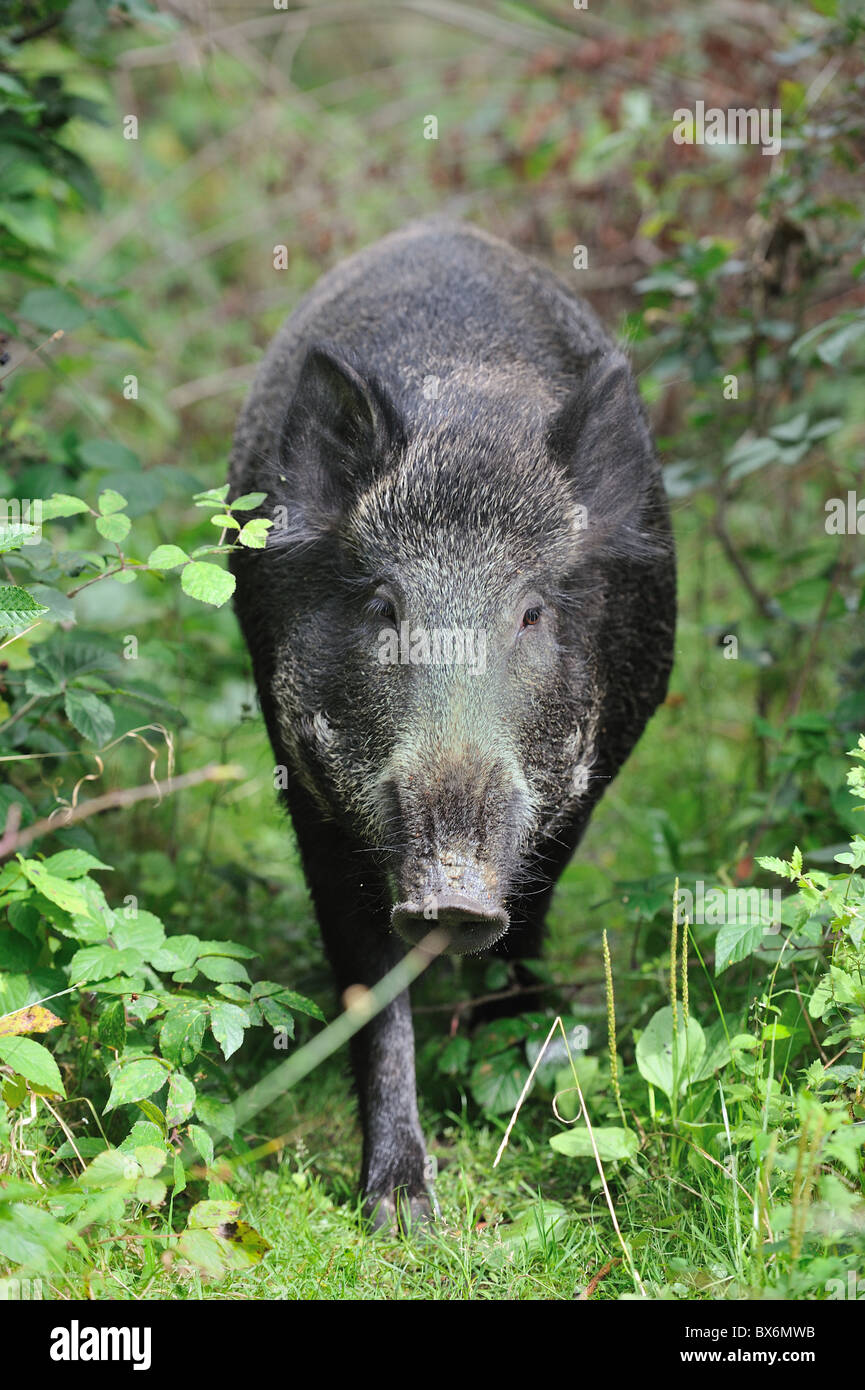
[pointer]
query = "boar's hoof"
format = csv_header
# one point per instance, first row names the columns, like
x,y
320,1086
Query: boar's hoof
x,y
399,1212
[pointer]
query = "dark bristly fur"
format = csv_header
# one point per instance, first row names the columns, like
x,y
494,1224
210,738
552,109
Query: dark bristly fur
x,y
428,426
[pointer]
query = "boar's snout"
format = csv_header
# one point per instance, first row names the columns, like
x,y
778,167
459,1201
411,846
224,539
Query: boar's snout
x,y
462,822
470,923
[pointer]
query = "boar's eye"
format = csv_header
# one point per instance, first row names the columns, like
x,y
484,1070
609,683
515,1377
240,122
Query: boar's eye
x,y
531,617
383,608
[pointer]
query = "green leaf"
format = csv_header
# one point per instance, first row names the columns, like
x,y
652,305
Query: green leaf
x,y
73,863
101,963
613,1144
203,1143
114,528
182,1032
248,502
217,1115
666,1060
52,309
254,533
207,583
136,1080
91,716
227,1022
204,1249
112,1026
110,501
32,1061
277,1015
57,890
105,453
496,1082
736,941
109,1168
144,932
298,1003
181,1099
223,969
17,607
31,1236
61,504
205,1215
166,557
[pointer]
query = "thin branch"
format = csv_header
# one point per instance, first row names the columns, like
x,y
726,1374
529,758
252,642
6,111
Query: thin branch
x,y
65,816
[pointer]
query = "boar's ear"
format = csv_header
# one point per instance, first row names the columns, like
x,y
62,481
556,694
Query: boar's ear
x,y
602,439
339,426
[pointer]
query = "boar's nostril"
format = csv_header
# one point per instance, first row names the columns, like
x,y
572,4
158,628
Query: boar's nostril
x,y
469,924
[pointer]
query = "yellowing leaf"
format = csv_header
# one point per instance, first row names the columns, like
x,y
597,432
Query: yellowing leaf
x,y
34,1019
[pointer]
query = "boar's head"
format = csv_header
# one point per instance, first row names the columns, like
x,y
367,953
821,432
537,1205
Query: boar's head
x,y
438,576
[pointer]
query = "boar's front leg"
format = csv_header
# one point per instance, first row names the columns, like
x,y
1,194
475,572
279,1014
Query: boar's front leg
x,y
353,909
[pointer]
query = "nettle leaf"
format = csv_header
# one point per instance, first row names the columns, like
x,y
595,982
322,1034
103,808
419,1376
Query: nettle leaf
x,y
207,583
166,557
613,1144
182,1032
115,527
110,501
835,988
667,1060
32,1061
91,716
227,1023
135,1080
737,940
181,1100
17,607
496,1083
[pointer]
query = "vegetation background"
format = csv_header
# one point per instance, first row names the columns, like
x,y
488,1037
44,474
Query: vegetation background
x,y
153,160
